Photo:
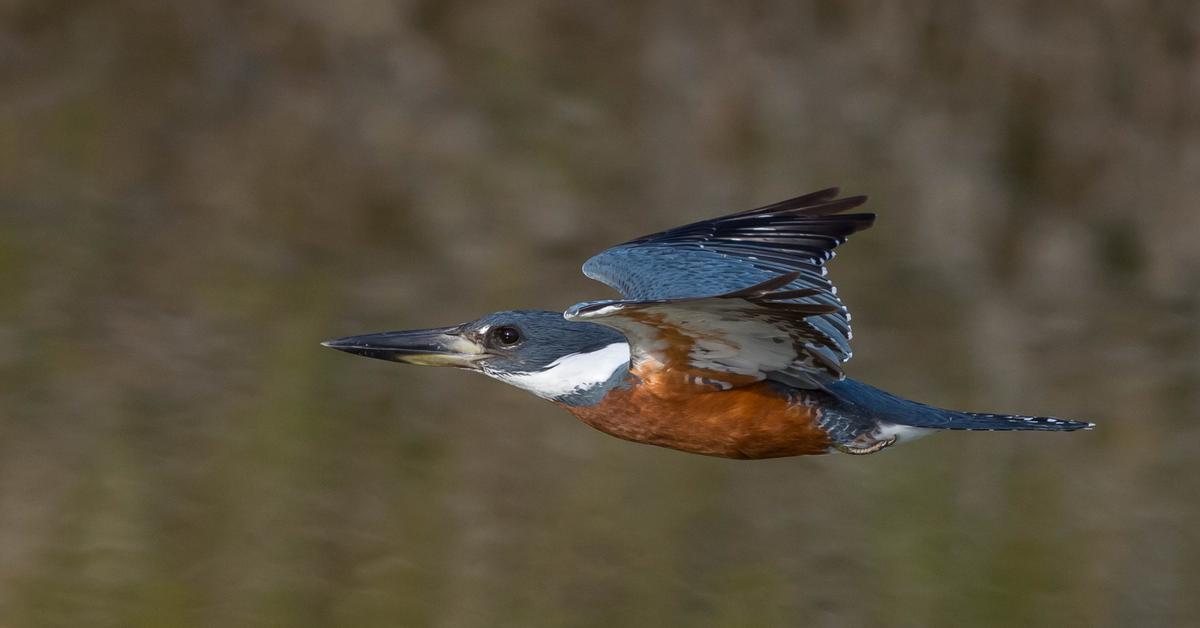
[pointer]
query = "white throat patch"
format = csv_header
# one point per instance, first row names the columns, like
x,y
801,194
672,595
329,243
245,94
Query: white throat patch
x,y
571,373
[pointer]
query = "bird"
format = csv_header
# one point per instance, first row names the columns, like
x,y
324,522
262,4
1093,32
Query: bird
x,y
729,340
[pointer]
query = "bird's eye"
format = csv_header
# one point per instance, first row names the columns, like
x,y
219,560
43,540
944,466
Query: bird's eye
x,y
506,336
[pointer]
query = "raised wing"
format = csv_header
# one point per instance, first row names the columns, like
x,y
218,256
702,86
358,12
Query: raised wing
x,y
723,255
725,341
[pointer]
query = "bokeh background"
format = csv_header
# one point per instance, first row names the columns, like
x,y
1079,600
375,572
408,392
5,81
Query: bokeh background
x,y
193,194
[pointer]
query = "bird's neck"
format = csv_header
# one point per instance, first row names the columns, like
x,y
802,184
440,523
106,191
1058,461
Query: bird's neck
x,y
577,379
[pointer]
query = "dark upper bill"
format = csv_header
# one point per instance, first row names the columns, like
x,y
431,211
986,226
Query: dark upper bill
x,y
444,346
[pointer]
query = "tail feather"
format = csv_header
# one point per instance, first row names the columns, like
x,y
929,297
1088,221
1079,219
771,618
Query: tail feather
x,y
951,420
881,405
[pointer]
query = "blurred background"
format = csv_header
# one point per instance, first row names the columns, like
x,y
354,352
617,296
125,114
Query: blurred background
x,y
193,194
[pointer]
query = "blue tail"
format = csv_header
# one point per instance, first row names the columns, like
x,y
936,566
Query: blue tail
x,y
884,406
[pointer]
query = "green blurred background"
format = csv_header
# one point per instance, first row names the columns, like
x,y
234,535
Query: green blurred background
x,y
193,194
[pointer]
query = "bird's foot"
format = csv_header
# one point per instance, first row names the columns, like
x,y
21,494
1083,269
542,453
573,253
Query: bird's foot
x,y
862,450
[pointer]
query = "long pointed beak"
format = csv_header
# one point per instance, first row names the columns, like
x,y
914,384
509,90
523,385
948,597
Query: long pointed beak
x,y
444,346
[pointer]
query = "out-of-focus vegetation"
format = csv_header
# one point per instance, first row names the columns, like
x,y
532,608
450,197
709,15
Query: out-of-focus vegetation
x,y
193,194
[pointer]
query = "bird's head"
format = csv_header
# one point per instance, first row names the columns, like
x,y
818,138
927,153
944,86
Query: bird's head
x,y
535,350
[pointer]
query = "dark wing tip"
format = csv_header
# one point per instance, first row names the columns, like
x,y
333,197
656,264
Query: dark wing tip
x,y
804,200
820,203
862,221
818,213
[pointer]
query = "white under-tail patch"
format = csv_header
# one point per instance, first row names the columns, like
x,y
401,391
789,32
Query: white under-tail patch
x,y
571,373
903,433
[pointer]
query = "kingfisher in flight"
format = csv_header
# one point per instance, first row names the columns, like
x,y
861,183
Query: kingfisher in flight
x,y
729,342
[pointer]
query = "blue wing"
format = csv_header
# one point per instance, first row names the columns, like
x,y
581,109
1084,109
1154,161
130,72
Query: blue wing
x,y
722,255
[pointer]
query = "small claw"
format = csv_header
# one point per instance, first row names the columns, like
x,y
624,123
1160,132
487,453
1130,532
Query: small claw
x,y
878,445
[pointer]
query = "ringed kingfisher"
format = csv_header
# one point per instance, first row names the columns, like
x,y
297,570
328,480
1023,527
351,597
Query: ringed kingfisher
x,y
729,342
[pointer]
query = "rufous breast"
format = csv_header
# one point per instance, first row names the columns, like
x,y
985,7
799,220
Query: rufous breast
x,y
752,421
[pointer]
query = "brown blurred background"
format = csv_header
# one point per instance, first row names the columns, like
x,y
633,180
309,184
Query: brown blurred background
x,y
193,194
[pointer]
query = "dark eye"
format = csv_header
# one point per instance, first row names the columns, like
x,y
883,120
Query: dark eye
x,y
506,336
